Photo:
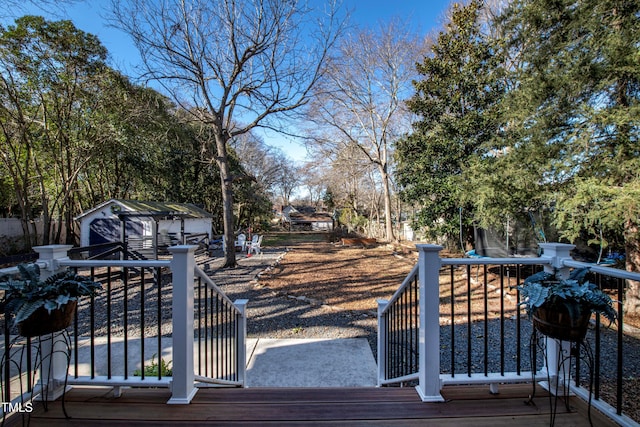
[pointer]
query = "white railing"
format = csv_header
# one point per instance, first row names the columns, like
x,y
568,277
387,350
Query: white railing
x,y
430,375
397,333
178,298
221,356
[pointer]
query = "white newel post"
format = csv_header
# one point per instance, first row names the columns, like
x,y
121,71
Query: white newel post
x,y
241,342
53,351
182,267
429,384
556,253
382,341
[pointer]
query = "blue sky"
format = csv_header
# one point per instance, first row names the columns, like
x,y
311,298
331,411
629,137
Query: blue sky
x,y
424,15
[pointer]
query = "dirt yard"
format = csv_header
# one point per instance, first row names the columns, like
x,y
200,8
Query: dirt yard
x,y
344,277
354,278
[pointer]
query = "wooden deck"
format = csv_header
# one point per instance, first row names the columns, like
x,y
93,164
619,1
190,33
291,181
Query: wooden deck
x,y
465,406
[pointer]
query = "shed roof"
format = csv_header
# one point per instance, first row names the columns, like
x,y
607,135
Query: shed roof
x,y
311,217
186,210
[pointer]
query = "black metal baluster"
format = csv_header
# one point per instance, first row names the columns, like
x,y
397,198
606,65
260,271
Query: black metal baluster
x,y
208,328
415,322
453,323
109,372
486,320
502,349
125,321
142,323
619,378
92,327
518,324
403,331
469,332
6,381
394,341
158,284
218,339
198,305
597,347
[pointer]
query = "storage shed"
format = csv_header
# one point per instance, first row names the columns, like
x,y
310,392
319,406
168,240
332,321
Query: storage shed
x,y
144,226
306,218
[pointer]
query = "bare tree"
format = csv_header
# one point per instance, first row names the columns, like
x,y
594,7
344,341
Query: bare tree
x,y
15,8
260,161
361,97
345,171
235,64
313,178
288,180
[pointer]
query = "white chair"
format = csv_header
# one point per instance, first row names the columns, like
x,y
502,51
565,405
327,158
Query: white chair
x,y
241,242
254,240
255,246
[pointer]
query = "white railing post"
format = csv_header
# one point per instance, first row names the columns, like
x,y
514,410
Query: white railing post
x,y
241,339
54,351
556,253
556,351
182,267
429,384
382,341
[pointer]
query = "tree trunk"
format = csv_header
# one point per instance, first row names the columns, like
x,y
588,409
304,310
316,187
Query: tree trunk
x,y
226,182
30,238
20,177
632,252
387,204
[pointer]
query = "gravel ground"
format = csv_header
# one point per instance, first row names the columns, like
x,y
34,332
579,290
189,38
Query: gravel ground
x,y
278,315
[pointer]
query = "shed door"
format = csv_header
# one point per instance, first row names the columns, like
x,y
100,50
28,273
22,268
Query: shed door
x,y
104,230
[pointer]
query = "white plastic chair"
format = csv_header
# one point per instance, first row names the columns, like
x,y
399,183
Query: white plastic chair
x,y
241,242
255,246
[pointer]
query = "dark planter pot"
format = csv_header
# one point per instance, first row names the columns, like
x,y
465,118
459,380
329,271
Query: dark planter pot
x,y
41,322
556,322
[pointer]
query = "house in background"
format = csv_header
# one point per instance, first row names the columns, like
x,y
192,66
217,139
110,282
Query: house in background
x,y
144,226
306,218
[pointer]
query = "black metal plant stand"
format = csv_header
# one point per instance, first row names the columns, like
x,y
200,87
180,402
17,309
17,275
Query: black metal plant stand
x,y
559,387
20,356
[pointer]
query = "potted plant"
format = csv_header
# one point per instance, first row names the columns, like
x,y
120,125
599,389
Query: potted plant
x,y
561,308
43,306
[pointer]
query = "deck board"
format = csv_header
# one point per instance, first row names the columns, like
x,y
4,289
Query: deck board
x,y
471,406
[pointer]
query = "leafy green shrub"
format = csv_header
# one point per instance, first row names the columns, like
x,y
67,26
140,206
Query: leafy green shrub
x,y
152,369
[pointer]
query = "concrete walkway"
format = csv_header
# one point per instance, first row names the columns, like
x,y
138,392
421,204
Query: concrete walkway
x,y
346,362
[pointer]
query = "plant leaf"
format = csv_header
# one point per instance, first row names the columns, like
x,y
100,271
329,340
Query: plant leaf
x,y
540,276
579,274
27,310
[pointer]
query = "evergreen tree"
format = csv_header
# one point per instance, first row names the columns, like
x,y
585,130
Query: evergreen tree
x,y
48,72
455,100
574,117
